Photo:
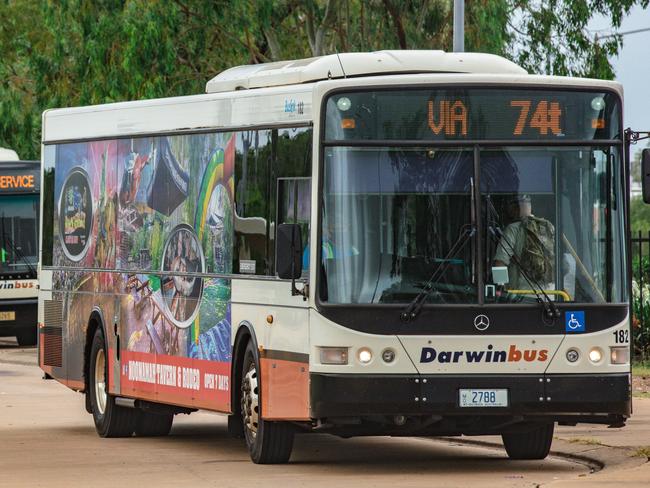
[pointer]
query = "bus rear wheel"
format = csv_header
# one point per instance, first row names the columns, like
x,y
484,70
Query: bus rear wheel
x,y
150,424
531,444
111,420
267,442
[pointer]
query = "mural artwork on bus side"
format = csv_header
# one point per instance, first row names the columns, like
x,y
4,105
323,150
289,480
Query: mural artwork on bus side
x,y
160,210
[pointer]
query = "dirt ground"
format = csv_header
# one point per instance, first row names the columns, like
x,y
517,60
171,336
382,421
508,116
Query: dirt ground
x,y
641,385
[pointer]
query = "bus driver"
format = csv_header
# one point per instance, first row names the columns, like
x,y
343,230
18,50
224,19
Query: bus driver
x,y
531,240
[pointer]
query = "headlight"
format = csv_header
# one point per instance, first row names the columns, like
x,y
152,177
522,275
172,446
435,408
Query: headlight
x,y
333,355
365,355
595,355
619,355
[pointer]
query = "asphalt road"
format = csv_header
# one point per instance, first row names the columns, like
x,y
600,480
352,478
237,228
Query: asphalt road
x,y
47,439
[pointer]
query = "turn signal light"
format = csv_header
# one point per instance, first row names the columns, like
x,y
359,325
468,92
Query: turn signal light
x,y
388,355
572,355
348,123
619,355
333,355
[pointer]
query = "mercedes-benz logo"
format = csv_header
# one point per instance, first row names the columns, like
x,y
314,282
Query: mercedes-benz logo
x,y
481,322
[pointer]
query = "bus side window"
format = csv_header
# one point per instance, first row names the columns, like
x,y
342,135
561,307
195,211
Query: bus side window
x,y
263,159
252,196
294,207
292,170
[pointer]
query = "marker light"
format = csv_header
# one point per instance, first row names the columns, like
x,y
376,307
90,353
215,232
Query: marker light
x,y
595,355
333,355
344,104
597,123
365,355
619,355
572,355
388,355
598,103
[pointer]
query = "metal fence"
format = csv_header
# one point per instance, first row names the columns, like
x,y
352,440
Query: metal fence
x,y
640,247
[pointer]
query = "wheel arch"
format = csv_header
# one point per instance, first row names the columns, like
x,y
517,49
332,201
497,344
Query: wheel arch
x,y
95,321
245,333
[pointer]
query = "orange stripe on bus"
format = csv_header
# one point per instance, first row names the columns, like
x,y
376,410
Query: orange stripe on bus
x,y
285,389
74,384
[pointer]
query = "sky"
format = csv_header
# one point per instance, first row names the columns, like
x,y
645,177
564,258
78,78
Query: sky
x,y
632,66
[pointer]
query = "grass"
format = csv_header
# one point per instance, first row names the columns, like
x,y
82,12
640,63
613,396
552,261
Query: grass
x,y
641,368
585,440
643,452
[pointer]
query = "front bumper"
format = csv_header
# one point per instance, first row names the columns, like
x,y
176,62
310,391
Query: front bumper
x,y
26,315
599,398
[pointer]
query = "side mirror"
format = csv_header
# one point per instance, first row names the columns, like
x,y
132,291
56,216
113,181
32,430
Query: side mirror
x,y
288,256
645,174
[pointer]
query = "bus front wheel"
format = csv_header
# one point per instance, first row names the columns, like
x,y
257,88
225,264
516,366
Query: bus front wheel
x,y
27,337
111,420
532,444
267,442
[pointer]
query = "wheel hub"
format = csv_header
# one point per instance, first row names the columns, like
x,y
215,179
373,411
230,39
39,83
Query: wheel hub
x,y
100,381
250,401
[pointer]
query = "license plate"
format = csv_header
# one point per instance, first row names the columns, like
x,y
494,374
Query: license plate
x,y
483,398
8,315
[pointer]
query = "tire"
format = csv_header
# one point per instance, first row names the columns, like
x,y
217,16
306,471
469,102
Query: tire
x,y
27,337
267,442
235,426
150,424
533,444
110,419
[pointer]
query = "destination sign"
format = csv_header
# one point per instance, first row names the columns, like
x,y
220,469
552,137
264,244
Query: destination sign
x,y
18,180
473,114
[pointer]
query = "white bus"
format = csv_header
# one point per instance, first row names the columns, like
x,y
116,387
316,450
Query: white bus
x,y
19,204
390,243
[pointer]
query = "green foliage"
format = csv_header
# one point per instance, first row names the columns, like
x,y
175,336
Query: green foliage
x,y
639,216
552,36
641,368
641,319
79,52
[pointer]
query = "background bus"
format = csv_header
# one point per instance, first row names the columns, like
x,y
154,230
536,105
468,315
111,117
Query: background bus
x,y
173,229
19,211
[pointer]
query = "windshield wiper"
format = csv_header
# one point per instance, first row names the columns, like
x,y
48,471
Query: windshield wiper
x,y
550,310
413,309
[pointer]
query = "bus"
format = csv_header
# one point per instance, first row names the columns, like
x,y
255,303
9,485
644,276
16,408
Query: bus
x,y
19,205
391,243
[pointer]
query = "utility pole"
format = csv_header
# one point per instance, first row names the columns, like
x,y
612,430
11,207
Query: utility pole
x,y
459,26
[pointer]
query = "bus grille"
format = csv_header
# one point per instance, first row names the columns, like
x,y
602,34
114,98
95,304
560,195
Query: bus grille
x,y
53,313
53,333
52,346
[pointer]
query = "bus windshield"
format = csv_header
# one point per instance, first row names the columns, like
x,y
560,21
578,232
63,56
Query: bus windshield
x,y
18,235
470,224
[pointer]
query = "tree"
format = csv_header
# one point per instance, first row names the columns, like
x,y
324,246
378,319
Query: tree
x,y
639,216
80,52
551,36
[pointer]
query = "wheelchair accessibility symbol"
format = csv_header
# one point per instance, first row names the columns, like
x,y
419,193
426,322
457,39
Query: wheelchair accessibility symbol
x,y
575,321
